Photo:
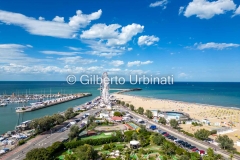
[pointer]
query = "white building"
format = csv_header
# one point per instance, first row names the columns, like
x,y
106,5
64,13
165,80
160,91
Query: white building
x,y
104,115
206,121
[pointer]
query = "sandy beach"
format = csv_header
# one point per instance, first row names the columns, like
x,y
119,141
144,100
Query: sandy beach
x,y
218,116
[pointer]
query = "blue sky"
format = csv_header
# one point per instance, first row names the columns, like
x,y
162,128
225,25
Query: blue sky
x,y
193,40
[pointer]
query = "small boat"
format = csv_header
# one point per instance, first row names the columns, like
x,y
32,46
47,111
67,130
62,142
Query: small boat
x,y
3,104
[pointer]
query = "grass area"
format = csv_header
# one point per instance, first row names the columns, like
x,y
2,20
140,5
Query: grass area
x,y
63,154
102,135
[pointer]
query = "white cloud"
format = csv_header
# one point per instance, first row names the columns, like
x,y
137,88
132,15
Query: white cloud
x,y
74,48
58,19
237,12
204,9
162,3
213,45
111,33
14,53
116,63
82,20
129,49
138,63
41,18
181,9
182,75
101,31
126,34
100,49
49,28
147,40
76,60
60,53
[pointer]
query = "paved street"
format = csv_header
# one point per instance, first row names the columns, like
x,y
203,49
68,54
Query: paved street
x,y
41,141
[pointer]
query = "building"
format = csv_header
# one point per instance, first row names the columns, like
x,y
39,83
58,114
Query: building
x,y
116,119
206,121
104,115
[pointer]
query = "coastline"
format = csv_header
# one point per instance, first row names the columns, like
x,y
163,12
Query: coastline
x,y
202,104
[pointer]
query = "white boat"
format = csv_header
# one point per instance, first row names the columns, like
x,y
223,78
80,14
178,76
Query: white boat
x,y
3,104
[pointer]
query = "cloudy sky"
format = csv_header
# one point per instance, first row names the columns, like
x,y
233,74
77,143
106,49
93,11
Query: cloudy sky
x,y
193,40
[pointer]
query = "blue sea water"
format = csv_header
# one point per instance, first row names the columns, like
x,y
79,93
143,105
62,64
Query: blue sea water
x,y
220,94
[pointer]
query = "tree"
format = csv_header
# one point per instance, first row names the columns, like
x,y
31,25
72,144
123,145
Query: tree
x,y
149,114
38,154
140,110
169,147
91,119
158,139
55,147
127,104
86,152
162,120
202,134
58,118
70,157
122,103
225,142
69,113
174,123
74,130
131,107
195,156
118,114
184,157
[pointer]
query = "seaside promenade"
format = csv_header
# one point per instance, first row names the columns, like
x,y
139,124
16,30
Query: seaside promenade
x,y
43,140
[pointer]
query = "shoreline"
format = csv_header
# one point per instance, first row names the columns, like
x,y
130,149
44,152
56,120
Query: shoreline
x,y
176,101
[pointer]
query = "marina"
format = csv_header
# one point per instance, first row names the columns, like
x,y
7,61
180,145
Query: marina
x,y
48,103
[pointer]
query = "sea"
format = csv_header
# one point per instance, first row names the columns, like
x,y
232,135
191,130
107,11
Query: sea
x,y
224,94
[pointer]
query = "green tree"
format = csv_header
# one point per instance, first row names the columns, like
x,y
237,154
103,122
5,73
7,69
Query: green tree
x,y
184,157
91,119
118,114
162,120
86,152
122,103
169,148
195,156
158,139
38,154
174,123
127,104
202,134
140,110
149,114
58,118
74,131
70,157
69,113
132,107
225,142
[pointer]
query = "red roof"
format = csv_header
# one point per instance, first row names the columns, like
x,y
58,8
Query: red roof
x,y
115,118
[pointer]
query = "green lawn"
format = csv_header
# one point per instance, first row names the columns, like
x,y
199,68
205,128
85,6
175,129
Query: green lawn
x,y
102,135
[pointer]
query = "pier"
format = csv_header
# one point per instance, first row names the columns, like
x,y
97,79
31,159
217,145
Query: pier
x,y
129,90
48,103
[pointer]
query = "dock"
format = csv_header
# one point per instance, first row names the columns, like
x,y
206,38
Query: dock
x,y
129,90
52,102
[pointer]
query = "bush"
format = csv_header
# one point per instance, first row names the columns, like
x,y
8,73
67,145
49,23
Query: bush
x,y
94,142
187,133
213,132
21,142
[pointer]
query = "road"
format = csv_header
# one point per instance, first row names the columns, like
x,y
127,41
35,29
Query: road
x,y
199,144
45,140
